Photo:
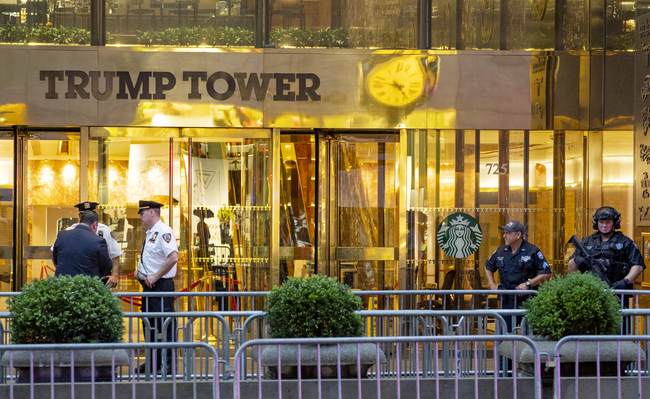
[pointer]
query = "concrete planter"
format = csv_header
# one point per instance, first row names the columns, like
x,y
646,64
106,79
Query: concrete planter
x,y
329,358
587,357
83,371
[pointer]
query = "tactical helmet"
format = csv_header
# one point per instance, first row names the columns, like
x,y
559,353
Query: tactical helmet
x,y
607,213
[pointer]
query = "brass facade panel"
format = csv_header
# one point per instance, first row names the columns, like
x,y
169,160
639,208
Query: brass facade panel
x,y
296,253
6,252
376,253
38,252
281,88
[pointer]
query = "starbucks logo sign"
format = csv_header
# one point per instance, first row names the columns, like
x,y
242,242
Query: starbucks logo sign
x,y
459,235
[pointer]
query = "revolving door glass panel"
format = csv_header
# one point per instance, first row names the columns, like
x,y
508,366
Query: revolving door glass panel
x,y
297,205
361,188
124,170
6,213
52,189
229,210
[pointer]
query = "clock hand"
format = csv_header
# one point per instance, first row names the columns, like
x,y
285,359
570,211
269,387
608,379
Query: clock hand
x,y
399,87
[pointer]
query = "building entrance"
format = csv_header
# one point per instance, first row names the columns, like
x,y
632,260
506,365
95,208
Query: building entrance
x,y
341,207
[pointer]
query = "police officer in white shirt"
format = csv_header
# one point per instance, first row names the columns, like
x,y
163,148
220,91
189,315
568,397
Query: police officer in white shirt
x,y
156,270
104,231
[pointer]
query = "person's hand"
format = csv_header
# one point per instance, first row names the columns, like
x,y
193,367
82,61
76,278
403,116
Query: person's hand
x,y
580,261
494,286
619,285
151,280
111,281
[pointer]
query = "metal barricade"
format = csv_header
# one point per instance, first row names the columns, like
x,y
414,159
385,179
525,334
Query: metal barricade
x,y
410,323
190,327
107,366
349,354
618,363
5,328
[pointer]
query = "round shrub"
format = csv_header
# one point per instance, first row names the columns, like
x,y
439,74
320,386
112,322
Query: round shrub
x,y
65,309
313,307
576,304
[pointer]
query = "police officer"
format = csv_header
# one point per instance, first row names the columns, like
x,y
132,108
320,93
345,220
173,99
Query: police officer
x,y
521,266
621,255
156,270
104,231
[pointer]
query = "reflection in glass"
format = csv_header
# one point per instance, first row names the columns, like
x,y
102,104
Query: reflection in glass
x,y
345,23
367,209
443,24
230,215
6,215
53,190
297,196
620,21
180,22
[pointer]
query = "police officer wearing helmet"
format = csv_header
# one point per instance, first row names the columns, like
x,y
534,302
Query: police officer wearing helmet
x,y
521,266
621,255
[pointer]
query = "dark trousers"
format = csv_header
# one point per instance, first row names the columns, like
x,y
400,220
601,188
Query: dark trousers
x,y
512,302
159,304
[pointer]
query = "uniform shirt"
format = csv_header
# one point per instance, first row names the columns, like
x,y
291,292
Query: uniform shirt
x,y
619,249
159,242
114,250
514,269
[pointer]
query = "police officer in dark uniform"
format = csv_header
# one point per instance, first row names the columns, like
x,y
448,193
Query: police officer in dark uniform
x,y
521,266
621,255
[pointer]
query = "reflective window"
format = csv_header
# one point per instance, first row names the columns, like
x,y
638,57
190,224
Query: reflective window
x,y
52,191
535,177
343,23
61,22
620,21
297,206
180,23
6,212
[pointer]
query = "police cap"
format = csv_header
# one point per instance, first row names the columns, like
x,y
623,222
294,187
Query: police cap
x,y
513,225
144,205
86,206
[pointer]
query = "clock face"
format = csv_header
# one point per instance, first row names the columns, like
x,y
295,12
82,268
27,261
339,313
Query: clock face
x,y
398,83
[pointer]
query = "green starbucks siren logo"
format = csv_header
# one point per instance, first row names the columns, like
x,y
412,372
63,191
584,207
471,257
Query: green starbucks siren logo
x,y
459,235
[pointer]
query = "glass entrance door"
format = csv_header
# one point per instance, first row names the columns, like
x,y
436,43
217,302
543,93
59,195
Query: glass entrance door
x,y
359,212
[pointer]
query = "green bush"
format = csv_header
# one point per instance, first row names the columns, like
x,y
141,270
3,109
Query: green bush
x,y
45,34
576,304
65,309
313,307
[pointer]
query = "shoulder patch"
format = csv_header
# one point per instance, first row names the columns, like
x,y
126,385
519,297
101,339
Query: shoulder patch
x,y
539,255
112,236
167,237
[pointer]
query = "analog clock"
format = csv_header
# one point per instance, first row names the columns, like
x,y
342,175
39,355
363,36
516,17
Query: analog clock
x,y
397,83
401,82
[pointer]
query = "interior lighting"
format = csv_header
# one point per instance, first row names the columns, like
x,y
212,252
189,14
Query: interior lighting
x,y
69,173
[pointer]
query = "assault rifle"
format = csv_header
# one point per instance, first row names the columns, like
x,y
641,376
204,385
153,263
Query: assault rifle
x,y
595,266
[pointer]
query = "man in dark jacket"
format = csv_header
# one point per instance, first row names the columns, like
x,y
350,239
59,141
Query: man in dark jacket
x,y
81,251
